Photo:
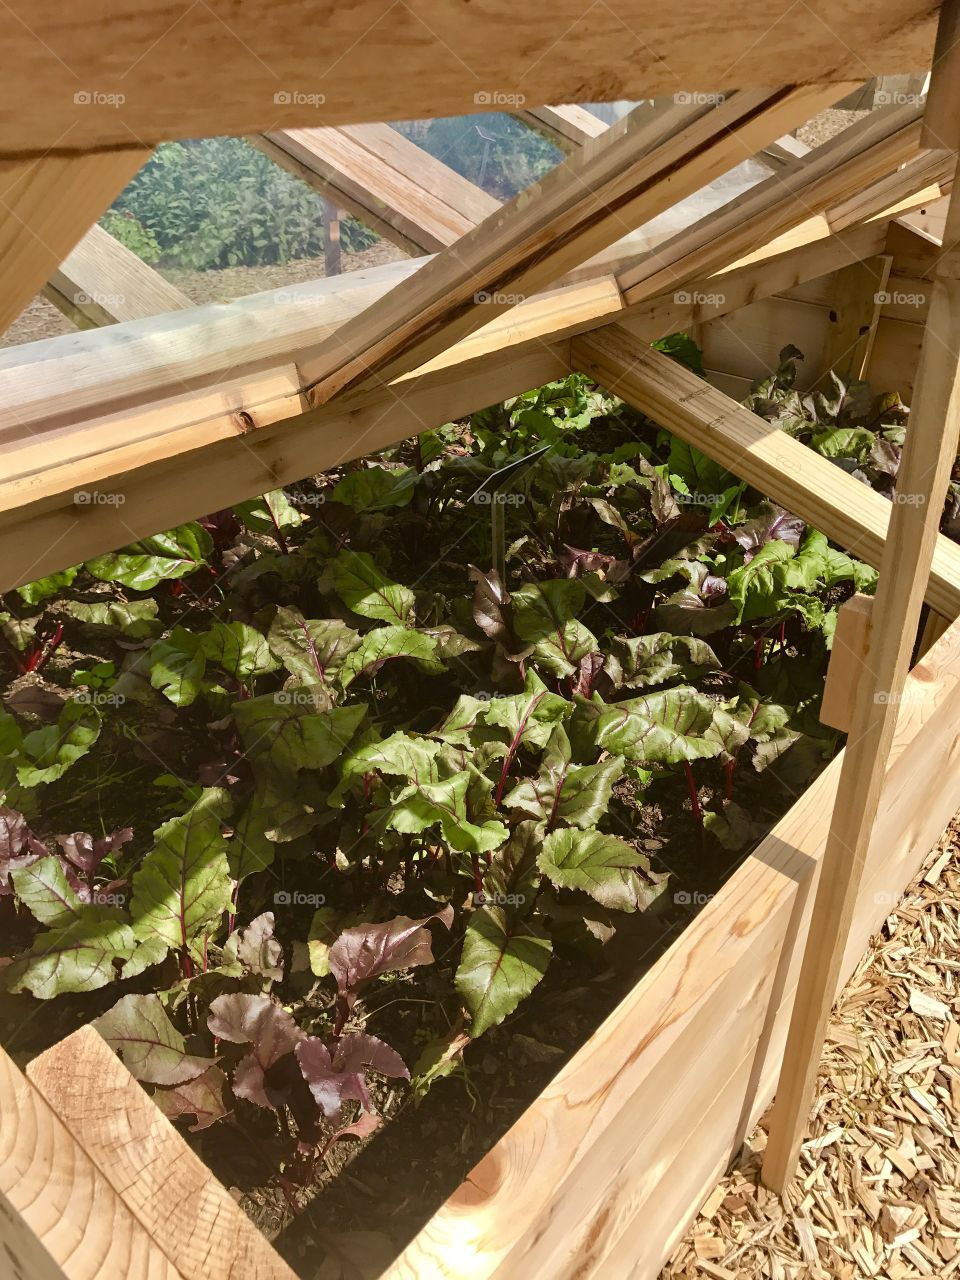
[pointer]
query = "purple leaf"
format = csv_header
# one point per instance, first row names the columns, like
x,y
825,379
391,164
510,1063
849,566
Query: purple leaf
x,y
491,605
257,949
19,847
773,524
365,952
202,1098
86,853
330,1086
358,1050
259,1021
587,668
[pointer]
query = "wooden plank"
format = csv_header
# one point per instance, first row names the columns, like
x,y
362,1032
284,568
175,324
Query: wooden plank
x,y
103,282
331,239
224,68
929,452
187,469
941,124
388,182
861,154
46,205
60,1219
604,1172
850,652
568,126
779,466
160,1179
920,174
856,303
577,209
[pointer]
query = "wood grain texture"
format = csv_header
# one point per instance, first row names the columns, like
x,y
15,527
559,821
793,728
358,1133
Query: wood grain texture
x,y
941,125
928,456
605,1171
181,471
60,1219
163,1183
848,657
779,466
569,126
855,305
228,68
861,154
579,208
46,205
388,182
103,282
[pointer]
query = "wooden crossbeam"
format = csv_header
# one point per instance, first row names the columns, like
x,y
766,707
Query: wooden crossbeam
x,y
60,1219
103,282
46,205
784,469
577,209
385,180
861,154
928,456
89,411
138,1152
228,68
568,126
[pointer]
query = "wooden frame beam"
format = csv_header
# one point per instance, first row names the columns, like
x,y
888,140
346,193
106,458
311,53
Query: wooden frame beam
x,y
802,481
579,208
569,126
388,182
223,68
103,282
46,206
862,154
912,540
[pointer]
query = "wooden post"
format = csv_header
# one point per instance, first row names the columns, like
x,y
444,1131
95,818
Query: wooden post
x,y
848,659
928,455
856,301
331,239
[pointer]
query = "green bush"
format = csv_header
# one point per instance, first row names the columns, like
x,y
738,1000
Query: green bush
x,y
218,202
131,233
494,151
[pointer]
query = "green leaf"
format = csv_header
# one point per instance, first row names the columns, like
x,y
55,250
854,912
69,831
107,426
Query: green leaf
x,y
271,512
75,957
844,442
602,866
151,1047
384,644
136,619
43,588
44,890
183,886
364,589
376,488
422,805
532,714
642,661
503,960
757,589
664,727
53,749
238,649
564,792
293,730
312,650
145,564
540,609
177,666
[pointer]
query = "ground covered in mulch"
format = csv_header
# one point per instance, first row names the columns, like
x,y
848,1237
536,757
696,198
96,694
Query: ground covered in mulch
x,y
878,1191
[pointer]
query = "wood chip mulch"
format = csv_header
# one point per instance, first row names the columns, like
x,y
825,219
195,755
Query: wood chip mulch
x,y
878,1189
